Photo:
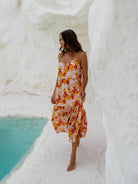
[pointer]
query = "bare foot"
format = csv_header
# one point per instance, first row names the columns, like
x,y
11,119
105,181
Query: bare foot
x,y
71,166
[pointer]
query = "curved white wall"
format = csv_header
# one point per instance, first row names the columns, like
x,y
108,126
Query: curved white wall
x,y
113,31
29,42
28,63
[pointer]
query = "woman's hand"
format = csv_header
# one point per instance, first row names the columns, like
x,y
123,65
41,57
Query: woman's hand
x,y
82,93
53,99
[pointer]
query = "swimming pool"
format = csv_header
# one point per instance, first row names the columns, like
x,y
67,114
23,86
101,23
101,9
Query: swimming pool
x,y
17,135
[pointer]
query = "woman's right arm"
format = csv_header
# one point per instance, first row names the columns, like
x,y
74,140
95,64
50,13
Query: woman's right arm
x,y
54,89
53,96
59,55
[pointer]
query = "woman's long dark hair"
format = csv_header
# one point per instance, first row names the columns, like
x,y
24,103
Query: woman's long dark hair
x,y
71,42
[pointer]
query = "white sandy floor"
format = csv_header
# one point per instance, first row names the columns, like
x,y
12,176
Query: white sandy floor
x,y
48,161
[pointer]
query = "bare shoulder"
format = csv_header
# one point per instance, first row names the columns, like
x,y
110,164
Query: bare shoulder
x,y
59,56
83,61
83,54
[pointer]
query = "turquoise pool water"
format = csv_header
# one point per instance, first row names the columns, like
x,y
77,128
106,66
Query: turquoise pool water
x,y
17,135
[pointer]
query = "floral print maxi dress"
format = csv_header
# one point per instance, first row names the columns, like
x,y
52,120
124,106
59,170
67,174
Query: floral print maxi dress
x,y
68,113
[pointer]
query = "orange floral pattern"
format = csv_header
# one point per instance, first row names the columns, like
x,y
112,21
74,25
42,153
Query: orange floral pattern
x,y
68,112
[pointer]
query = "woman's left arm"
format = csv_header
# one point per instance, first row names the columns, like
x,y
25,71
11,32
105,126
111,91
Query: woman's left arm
x,y
84,65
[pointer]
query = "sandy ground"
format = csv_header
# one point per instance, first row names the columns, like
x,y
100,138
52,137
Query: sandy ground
x,y
49,158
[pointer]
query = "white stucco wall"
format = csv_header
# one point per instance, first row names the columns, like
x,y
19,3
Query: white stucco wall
x,y
113,35
30,42
107,30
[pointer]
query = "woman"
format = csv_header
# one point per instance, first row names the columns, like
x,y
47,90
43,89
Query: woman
x,y
69,93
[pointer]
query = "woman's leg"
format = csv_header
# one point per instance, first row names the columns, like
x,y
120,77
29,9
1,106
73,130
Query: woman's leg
x,y
78,139
72,164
